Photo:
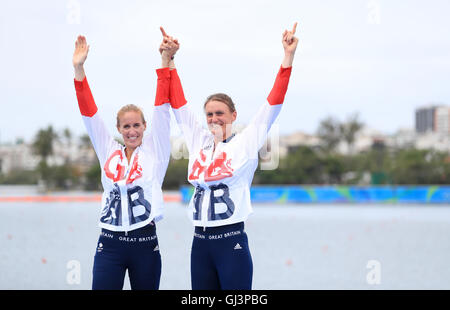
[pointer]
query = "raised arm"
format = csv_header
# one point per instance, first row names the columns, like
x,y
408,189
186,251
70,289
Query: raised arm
x,y
193,132
79,57
279,88
100,138
167,49
256,132
290,43
158,139
85,99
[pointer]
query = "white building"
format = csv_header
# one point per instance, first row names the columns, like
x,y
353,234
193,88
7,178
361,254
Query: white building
x,y
21,157
295,139
433,140
403,138
442,120
17,156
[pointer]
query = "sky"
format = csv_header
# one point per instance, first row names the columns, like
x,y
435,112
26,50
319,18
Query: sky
x,y
381,59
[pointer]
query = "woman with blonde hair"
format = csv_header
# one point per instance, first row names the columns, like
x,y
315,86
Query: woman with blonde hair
x,y
132,175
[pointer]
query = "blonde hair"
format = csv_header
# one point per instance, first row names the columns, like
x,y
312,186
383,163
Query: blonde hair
x,y
129,108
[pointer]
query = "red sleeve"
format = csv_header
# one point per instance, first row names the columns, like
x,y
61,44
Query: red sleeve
x,y
86,101
279,89
177,99
163,86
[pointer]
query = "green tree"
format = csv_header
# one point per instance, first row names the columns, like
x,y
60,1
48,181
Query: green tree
x,y
302,166
333,168
349,129
43,147
93,178
85,141
19,176
412,166
67,134
176,174
329,132
62,177
43,143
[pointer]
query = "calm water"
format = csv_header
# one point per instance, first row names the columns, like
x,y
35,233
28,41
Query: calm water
x,y
293,246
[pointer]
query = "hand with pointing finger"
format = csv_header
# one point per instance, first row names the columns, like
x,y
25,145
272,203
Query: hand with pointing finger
x,y
168,47
290,43
289,40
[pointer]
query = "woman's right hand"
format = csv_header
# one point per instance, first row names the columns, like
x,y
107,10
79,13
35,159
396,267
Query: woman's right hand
x,y
80,53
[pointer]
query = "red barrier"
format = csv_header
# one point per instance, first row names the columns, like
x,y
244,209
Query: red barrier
x,y
92,198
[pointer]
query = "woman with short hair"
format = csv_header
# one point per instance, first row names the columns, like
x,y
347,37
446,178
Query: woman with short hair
x,y
221,168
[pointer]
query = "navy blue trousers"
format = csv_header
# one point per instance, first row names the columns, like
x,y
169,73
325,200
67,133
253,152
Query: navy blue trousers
x,y
220,258
137,251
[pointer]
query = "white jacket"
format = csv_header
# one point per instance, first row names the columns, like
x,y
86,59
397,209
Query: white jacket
x,y
132,195
222,180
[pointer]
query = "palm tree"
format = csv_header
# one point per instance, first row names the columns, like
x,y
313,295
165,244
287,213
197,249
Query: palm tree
x,y
85,141
43,147
68,136
349,130
43,143
329,132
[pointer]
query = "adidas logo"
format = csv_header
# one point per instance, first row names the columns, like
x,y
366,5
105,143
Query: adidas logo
x,y
237,247
156,248
100,247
